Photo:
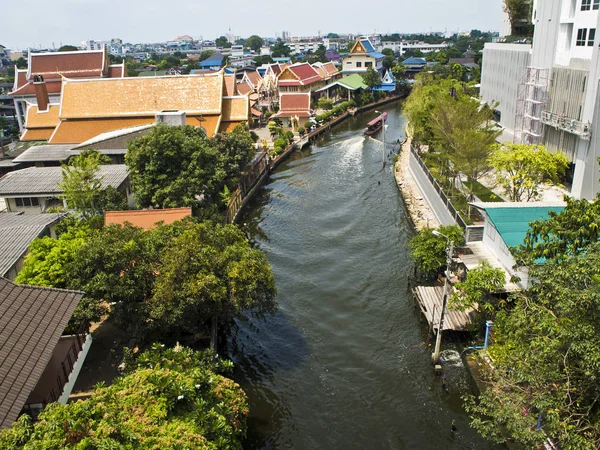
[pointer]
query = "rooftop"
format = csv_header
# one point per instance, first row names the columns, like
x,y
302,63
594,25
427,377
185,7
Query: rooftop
x,y
148,218
32,320
44,180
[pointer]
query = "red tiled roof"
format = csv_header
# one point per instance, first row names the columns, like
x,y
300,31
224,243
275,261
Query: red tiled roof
x,y
20,78
148,218
254,77
294,102
69,64
116,71
306,73
276,68
53,87
230,85
244,88
330,68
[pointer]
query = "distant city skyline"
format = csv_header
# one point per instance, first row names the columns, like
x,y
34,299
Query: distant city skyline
x,y
49,24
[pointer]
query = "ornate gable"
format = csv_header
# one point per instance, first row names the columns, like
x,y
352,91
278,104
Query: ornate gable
x,y
358,47
288,74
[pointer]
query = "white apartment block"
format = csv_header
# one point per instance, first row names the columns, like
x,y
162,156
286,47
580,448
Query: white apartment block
x,y
548,91
402,46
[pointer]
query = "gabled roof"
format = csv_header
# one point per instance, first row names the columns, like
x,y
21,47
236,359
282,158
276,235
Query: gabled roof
x,y
413,61
45,153
53,65
42,119
244,88
235,109
148,218
301,75
294,104
17,230
110,135
32,319
253,77
230,85
361,46
76,131
135,97
116,70
351,82
35,181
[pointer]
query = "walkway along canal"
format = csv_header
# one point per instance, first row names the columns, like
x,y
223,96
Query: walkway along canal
x,y
344,363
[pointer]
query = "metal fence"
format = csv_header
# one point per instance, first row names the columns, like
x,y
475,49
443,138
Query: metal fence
x,y
449,206
247,182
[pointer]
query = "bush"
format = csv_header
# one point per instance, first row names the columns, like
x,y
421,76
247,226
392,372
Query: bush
x,y
352,104
289,136
325,103
281,142
301,131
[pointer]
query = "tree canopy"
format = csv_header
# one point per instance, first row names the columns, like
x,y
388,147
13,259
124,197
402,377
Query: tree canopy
x,y
180,166
371,77
254,42
172,398
428,251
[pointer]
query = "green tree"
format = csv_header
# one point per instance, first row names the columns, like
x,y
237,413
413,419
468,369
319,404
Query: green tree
x,y
371,77
21,63
254,42
546,358
388,62
68,48
82,183
279,49
523,168
458,72
180,166
168,398
519,14
481,281
398,71
428,251
222,42
205,54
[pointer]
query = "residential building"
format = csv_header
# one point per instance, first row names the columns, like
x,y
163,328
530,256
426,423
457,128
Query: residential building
x,y
213,62
362,56
35,189
52,69
147,218
414,65
400,47
39,363
17,230
556,98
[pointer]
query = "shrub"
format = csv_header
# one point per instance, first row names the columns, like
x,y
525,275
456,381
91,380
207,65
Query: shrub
x,y
301,131
325,103
281,142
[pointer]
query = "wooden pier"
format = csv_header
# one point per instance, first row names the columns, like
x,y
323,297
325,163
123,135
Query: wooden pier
x,y
430,299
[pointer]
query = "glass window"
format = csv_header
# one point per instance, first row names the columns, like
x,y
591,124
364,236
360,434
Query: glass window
x,y
369,64
35,202
596,4
585,5
581,36
591,37
19,202
358,64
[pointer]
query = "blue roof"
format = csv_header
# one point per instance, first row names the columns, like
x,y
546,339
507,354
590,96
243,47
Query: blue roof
x,y
376,55
414,61
512,223
367,45
214,57
282,60
384,87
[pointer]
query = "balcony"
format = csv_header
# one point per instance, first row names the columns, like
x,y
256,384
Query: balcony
x,y
567,124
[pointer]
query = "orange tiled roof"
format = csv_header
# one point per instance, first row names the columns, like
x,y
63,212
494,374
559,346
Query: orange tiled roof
x,y
147,219
235,109
330,68
244,88
44,119
37,134
53,87
78,131
141,96
209,123
322,72
230,85
254,77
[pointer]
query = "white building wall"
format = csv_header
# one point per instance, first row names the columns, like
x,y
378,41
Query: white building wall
x,y
503,68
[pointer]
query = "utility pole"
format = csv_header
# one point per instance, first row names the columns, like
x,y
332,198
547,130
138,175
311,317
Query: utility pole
x,y
438,338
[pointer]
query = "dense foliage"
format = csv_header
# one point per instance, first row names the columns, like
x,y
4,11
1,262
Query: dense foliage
x,y
546,354
481,281
180,166
428,251
168,399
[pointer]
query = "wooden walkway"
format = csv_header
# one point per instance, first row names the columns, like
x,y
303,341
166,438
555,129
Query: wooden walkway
x,y
430,300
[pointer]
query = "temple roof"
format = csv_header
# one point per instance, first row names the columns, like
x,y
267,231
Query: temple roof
x,y
294,104
303,74
53,65
135,97
235,109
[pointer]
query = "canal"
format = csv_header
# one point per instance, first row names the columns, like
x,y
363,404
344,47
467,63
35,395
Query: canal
x,y
344,363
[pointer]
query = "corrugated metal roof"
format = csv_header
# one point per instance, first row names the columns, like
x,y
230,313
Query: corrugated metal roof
x,y
32,320
44,180
45,153
17,230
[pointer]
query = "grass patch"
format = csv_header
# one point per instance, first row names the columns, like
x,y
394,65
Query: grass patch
x,y
484,193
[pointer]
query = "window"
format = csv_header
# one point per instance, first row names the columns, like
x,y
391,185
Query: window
x,y
585,5
581,36
369,64
491,232
596,4
591,37
358,64
26,202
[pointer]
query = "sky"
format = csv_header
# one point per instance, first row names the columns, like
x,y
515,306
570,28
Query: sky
x,y
41,22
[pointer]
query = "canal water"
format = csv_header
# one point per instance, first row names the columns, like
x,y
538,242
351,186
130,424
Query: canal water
x,y
345,362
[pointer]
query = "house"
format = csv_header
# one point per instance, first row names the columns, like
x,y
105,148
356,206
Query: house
x,y
52,67
17,230
468,63
89,108
327,71
505,226
414,65
294,106
35,189
332,55
299,78
39,363
147,218
213,62
362,56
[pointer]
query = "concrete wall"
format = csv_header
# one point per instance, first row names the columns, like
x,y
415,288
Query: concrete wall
x,y
503,68
439,209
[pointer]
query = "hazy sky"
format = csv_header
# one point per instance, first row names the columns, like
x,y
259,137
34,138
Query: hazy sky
x,y
34,22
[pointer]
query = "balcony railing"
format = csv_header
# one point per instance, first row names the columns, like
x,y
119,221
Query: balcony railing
x,y
581,129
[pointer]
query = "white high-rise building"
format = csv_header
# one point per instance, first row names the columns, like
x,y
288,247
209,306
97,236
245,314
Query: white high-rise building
x,y
549,90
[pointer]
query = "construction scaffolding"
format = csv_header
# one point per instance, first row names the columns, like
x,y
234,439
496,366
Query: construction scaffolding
x,y
532,95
